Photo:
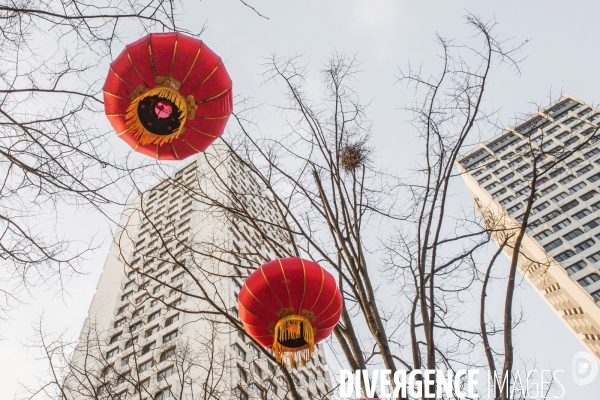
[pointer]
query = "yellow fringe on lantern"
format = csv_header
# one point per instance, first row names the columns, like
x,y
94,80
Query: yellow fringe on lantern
x,y
144,136
293,327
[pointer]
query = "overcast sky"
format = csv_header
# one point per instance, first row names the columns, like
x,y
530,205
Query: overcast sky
x,y
384,35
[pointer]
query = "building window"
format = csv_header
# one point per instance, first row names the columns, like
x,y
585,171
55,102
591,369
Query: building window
x,y
515,208
271,387
507,177
540,181
584,170
507,200
549,189
594,178
158,288
258,391
499,193
556,172
541,207
116,337
582,214
170,336
500,170
136,326
588,131
551,216
283,382
592,153
240,394
137,312
575,163
514,184
146,366
573,234
256,369
123,377
131,342
543,234
570,205
590,279
172,319
560,197
125,360
492,186
561,225
126,296
594,257
177,278
164,374
163,395
254,350
242,374
167,354
577,187
569,142
553,245
120,322
304,376
239,351
148,348
578,266
154,303
112,353
565,255
567,179
592,224
152,330
596,206
141,298
175,304
596,295
524,191
588,195
585,245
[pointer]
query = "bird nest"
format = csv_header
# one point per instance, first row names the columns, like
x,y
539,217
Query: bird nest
x,y
353,156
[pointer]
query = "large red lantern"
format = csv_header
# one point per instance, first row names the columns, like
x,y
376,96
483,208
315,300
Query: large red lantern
x,y
168,96
289,305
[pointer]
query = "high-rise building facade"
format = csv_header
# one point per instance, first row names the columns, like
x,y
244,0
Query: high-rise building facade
x,y
561,250
152,331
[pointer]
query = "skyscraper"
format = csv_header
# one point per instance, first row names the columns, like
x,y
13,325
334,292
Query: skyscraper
x,y
154,325
561,250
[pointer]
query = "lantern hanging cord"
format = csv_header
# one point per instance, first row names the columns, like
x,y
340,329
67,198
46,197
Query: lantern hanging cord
x,y
293,327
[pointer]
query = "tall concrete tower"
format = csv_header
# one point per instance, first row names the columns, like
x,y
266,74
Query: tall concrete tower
x,y
152,331
561,250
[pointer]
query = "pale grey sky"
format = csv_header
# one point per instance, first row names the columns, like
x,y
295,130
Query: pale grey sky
x,y
384,35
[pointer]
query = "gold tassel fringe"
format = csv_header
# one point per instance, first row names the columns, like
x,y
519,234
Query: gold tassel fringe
x,y
293,327
144,136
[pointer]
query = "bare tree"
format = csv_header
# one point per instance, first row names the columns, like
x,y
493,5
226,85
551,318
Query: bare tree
x,y
317,192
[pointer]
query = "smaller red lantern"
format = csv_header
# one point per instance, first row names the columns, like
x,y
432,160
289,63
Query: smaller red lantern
x,y
289,305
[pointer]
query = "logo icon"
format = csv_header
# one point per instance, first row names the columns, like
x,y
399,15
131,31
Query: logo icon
x,y
585,368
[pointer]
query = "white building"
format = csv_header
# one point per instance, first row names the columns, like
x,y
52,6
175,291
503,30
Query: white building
x,y
561,251
167,259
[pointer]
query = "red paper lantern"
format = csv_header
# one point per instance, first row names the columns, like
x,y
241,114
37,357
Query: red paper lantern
x,y
289,305
168,96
